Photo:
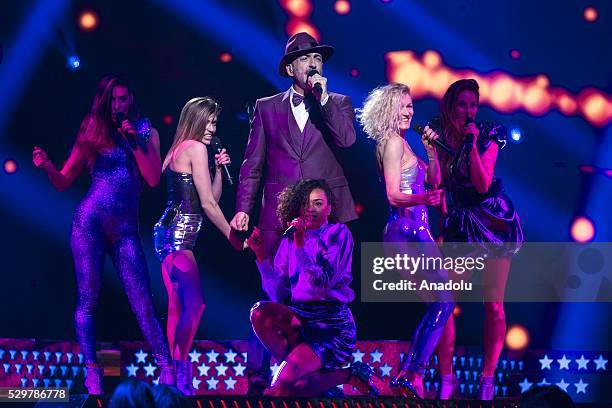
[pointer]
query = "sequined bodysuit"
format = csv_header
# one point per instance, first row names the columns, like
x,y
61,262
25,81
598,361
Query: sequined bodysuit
x,y
106,222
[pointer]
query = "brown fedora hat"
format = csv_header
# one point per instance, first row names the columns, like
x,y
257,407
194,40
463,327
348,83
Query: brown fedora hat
x,y
300,44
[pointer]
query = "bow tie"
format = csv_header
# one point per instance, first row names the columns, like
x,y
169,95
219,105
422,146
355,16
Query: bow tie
x,y
296,99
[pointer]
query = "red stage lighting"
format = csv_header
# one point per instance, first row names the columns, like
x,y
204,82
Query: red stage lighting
x,y
590,14
88,20
582,229
587,169
168,119
225,57
298,8
359,208
517,337
10,166
342,7
457,311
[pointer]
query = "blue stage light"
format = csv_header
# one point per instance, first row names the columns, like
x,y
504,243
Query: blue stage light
x,y
73,63
516,135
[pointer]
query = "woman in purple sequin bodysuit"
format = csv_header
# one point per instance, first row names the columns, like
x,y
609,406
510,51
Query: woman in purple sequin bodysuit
x,y
479,211
120,149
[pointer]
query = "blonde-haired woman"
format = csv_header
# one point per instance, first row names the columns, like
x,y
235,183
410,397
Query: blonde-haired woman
x,y
385,116
191,189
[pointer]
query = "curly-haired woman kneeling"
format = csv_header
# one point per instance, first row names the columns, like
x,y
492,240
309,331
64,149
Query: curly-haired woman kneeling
x,y
315,335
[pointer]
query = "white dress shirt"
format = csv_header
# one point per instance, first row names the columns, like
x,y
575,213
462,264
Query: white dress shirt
x,y
300,113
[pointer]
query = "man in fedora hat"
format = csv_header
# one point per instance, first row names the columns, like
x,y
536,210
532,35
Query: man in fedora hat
x,y
290,139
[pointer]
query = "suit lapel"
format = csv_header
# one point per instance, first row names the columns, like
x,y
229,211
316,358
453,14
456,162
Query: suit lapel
x,y
313,125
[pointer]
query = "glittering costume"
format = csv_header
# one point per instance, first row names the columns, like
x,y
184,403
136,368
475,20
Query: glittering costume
x,y
106,221
475,217
410,224
316,279
180,224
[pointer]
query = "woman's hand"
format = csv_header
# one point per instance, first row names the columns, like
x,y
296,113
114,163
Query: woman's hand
x,y
433,197
256,243
300,231
428,137
222,158
127,128
40,158
472,129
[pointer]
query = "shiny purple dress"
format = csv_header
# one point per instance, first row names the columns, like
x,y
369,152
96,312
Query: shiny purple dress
x,y
405,227
480,218
106,222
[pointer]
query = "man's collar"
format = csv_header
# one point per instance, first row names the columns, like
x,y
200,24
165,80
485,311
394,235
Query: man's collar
x,y
293,91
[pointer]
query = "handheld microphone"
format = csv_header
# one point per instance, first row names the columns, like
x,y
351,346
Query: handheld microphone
x,y
216,142
120,117
421,130
316,86
131,139
469,137
289,231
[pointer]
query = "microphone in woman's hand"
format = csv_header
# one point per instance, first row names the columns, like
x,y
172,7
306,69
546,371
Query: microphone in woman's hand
x,y
421,130
289,231
216,142
469,137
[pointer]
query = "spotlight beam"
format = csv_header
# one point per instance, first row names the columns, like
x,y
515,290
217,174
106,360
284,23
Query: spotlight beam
x,y
25,192
24,54
259,49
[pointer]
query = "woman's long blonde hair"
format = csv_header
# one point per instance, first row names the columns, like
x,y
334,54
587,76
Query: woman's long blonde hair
x,y
379,115
193,121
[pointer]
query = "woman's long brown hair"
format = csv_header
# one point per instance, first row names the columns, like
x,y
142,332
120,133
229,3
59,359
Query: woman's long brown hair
x,y
94,132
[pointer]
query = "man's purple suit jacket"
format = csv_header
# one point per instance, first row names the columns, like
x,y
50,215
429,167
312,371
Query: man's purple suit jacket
x,y
280,154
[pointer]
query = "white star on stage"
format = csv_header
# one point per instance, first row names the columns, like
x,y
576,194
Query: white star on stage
x,y
196,383
212,356
212,384
150,370
564,362
600,362
563,385
545,362
582,362
140,356
203,369
221,369
385,370
358,356
194,356
156,381
581,387
131,370
229,383
376,355
244,356
239,370
543,382
525,385
230,356
274,369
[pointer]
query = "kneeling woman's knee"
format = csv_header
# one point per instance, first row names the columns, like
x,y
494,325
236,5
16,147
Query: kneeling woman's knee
x,y
259,311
